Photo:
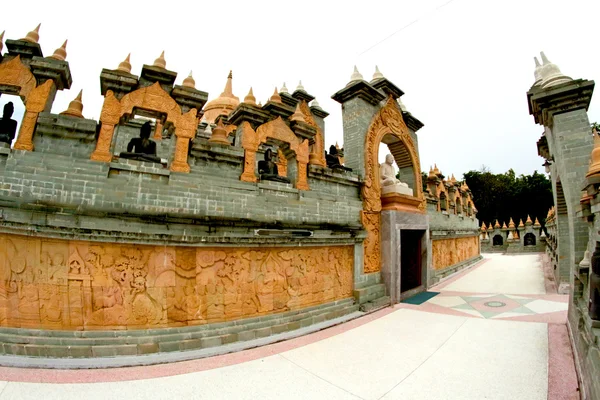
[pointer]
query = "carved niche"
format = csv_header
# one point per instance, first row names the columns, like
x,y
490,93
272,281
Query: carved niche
x,y
275,129
317,154
152,98
61,284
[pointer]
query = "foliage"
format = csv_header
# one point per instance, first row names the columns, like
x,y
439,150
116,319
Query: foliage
x,y
502,196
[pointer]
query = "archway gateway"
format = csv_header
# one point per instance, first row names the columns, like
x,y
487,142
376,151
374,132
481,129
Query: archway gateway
x,y
388,127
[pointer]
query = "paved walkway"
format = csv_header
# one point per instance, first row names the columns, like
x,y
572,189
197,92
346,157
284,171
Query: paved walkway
x,y
494,331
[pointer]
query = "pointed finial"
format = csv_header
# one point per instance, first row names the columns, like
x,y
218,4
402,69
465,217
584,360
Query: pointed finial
x,y
528,222
60,53
594,169
511,223
230,76
377,74
275,98
34,35
1,40
315,104
536,224
228,91
550,73
125,65
300,86
260,104
250,99
160,61
521,224
504,225
537,73
283,89
297,116
189,81
75,107
435,169
497,224
356,76
219,134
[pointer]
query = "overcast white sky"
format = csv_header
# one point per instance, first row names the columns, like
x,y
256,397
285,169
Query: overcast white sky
x,y
465,67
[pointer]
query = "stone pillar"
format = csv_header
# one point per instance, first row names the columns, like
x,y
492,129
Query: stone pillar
x,y
359,102
560,104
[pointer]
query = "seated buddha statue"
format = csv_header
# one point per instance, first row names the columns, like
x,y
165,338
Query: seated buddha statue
x,y
333,160
267,169
142,148
388,180
8,126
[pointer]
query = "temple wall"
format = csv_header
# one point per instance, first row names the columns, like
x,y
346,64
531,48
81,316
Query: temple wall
x,y
70,284
448,252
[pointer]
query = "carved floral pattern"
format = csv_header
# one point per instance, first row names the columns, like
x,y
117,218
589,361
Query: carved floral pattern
x,y
58,284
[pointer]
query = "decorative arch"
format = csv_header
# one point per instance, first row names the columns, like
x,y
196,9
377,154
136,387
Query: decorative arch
x,y
275,129
152,98
16,78
387,121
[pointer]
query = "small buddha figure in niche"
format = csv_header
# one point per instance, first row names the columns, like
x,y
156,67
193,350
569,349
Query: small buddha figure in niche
x,y
387,176
142,148
268,169
8,126
333,160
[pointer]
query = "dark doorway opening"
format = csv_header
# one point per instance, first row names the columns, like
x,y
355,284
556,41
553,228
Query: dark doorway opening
x,y
497,241
411,266
529,239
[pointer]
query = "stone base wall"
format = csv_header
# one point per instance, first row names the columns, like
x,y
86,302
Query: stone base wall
x,y
585,339
84,285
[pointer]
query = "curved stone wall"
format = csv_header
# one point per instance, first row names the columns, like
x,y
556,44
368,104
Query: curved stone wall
x,y
75,285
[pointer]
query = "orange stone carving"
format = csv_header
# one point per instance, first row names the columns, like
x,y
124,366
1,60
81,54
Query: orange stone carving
x,y
149,98
388,120
448,252
60,284
36,103
15,73
317,154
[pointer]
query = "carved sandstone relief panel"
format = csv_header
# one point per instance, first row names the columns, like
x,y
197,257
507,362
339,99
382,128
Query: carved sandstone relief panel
x,y
448,252
57,284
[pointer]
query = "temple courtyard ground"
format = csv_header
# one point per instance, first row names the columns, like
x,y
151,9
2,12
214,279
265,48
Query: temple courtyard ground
x,y
494,331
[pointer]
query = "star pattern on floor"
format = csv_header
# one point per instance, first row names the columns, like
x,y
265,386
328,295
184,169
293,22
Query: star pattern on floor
x,y
497,305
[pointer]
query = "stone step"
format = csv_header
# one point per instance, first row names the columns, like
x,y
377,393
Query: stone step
x,y
73,344
376,304
369,293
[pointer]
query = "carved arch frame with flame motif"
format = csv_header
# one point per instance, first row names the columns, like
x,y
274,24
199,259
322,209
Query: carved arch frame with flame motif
x,y
388,121
152,98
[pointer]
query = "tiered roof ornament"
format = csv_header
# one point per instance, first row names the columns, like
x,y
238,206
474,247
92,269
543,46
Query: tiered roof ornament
x,y
550,73
521,224
33,36
283,89
224,104
160,61
497,225
250,99
189,81
528,222
504,225
377,74
275,98
75,107
125,65
219,134
300,86
60,53
537,73
297,116
511,223
536,224
356,76
483,227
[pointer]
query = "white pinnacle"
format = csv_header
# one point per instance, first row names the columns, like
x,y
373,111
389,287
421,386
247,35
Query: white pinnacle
x,y
300,87
356,76
377,74
283,89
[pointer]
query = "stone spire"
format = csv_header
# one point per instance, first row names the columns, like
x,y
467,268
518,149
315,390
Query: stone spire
x,y
436,171
377,74
1,41
250,99
315,104
497,225
356,76
34,35
283,89
504,225
297,116
537,73
275,98
537,224
551,74
300,86
219,134
225,102
60,53
125,65
594,169
521,224
483,227
528,222
511,223
189,81
160,61
75,107
453,180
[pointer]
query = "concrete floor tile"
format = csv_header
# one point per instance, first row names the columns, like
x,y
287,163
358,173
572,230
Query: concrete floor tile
x,y
545,306
484,359
370,360
267,378
447,301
